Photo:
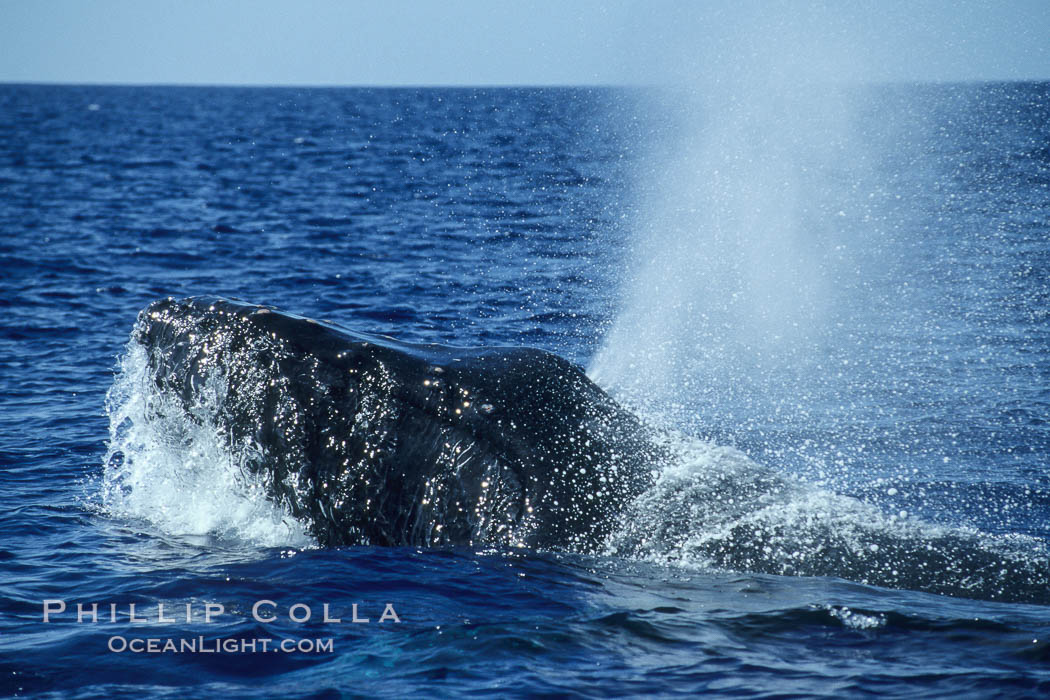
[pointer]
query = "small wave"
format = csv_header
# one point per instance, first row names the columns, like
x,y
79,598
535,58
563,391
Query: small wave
x,y
855,619
176,470
330,221
135,164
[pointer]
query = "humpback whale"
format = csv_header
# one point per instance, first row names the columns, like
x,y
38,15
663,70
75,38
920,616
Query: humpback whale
x,y
371,441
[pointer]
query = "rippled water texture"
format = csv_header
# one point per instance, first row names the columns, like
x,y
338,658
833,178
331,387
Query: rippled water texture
x,y
853,371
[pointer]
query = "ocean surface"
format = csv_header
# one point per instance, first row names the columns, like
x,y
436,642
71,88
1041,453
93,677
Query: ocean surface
x,y
836,306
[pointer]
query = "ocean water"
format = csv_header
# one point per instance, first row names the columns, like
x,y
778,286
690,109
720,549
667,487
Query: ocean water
x,y
836,310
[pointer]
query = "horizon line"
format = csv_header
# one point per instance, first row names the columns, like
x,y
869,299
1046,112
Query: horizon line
x,y
484,86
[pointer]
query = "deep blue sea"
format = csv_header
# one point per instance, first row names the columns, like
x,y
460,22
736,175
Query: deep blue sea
x,y
836,303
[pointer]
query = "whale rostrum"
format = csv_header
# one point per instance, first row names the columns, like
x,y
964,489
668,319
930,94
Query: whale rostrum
x,y
370,441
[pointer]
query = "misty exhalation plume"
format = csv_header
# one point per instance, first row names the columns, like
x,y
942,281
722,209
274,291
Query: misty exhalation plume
x,y
742,241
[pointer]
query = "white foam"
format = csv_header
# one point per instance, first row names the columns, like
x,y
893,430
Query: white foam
x,y
856,620
177,472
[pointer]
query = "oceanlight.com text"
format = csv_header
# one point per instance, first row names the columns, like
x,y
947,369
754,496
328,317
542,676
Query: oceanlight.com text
x,y
200,645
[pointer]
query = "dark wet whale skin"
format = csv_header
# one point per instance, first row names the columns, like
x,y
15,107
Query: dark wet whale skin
x,y
371,441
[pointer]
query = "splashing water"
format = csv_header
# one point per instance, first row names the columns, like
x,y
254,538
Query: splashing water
x,y
714,508
174,470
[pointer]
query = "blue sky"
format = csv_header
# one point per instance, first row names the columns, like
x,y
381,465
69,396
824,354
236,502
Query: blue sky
x,y
475,42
